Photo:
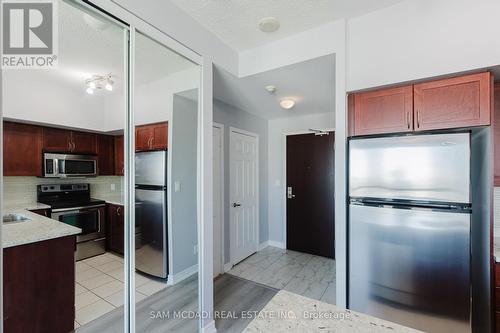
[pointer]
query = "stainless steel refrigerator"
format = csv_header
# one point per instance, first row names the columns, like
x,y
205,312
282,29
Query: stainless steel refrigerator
x,y
409,230
151,254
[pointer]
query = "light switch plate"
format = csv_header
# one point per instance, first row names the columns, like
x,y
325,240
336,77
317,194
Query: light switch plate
x,y
177,186
113,187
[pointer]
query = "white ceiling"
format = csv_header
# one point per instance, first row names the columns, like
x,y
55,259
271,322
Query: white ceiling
x,y
98,48
235,22
311,83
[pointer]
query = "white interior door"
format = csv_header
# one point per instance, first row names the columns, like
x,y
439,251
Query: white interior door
x,y
243,194
218,195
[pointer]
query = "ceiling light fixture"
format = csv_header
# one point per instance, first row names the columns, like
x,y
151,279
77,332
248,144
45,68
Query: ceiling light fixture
x,y
99,82
269,24
287,103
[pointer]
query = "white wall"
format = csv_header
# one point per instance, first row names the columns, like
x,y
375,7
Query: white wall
x,y
232,117
422,38
41,96
182,152
276,161
153,100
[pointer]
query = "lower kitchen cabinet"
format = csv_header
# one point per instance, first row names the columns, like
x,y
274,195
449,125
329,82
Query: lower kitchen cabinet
x,y
43,212
115,228
39,287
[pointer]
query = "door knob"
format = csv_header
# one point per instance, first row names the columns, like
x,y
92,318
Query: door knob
x,y
236,205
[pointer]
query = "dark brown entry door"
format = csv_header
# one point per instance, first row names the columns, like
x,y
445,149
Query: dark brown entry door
x,y
310,206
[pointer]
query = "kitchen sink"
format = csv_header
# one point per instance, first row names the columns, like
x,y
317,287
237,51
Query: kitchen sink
x,y
14,218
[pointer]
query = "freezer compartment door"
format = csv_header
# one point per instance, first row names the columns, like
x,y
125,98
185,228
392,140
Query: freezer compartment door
x,y
434,167
151,168
411,267
151,229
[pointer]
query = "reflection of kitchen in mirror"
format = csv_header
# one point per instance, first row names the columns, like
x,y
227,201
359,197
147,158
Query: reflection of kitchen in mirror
x,y
166,117
166,238
63,180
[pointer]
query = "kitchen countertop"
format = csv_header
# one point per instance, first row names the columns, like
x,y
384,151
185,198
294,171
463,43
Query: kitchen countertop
x,y
116,199
309,315
40,228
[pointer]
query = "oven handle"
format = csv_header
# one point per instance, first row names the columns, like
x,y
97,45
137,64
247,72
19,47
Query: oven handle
x,y
76,208
99,221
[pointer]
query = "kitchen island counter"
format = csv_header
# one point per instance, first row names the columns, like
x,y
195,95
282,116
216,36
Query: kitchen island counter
x,y
37,228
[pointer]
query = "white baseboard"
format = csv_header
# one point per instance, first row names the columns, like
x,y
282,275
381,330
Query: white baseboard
x,y
182,275
280,245
209,328
263,245
227,267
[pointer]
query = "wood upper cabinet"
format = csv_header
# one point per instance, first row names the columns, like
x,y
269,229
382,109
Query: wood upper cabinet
x,y
56,139
160,136
496,135
22,150
459,102
151,137
115,228
119,156
143,138
83,142
383,111
463,101
61,140
105,155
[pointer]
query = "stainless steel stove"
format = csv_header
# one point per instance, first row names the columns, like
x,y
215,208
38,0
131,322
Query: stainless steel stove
x,y
72,204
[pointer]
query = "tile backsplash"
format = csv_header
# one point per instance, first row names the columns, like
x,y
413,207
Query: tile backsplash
x,y
22,190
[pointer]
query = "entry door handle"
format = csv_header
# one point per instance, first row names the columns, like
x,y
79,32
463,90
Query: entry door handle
x,y
289,193
235,204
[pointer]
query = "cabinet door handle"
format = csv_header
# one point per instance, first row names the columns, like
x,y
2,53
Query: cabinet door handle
x,y
408,119
418,118
69,145
118,211
150,143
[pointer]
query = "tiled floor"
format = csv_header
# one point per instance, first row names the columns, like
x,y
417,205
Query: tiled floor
x,y
99,287
301,273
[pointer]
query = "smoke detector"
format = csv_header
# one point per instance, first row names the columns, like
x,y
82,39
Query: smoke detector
x,y
269,24
270,89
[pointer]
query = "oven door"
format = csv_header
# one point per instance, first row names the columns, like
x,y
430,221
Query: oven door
x,y
89,219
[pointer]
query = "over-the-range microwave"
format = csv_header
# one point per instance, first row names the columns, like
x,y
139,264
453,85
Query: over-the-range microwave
x,y
60,165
